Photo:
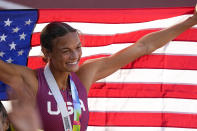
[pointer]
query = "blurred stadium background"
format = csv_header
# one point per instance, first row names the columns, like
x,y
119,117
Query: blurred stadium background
x,y
26,4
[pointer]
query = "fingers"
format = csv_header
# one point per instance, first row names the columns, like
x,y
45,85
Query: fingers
x,y
24,115
195,9
11,94
23,95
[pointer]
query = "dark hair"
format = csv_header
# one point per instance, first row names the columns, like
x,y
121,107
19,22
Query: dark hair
x,y
52,31
4,115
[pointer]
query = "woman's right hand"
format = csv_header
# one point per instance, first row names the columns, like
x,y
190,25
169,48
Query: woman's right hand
x,y
24,116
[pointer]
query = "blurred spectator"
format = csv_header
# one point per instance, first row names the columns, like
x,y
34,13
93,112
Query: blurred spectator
x,y
4,121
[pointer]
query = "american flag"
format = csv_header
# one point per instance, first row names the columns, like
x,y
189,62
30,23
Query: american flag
x,y
156,92
16,28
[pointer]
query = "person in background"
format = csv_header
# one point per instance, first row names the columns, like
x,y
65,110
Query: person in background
x,y
4,121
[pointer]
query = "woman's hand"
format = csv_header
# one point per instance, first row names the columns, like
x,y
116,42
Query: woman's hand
x,y
194,17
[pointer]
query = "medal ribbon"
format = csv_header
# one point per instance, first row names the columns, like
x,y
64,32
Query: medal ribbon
x,y
77,106
61,103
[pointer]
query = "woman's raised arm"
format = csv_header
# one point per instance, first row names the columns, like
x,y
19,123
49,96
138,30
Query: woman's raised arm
x,y
15,75
93,70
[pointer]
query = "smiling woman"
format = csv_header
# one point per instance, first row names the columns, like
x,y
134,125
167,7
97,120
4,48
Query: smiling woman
x,y
66,53
60,88
61,46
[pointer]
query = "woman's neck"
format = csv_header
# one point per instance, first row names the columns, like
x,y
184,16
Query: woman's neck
x,y
60,77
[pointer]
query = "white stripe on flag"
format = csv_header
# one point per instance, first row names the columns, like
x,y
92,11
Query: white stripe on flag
x,y
109,29
7,105
143,105
114,128
153,76
173,48
36,51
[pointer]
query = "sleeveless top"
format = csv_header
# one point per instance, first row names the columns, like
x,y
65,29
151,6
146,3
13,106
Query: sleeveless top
x,y
50,114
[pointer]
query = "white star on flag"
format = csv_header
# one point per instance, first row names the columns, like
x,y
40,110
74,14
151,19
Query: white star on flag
x,y
9,60
2,53
8,22
28,22
3,37
22,36
15,30
20,52
12,46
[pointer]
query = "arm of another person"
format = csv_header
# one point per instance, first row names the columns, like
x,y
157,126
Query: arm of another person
x,y
96,69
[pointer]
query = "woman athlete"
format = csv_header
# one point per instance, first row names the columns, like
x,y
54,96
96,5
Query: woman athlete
x,y
61,47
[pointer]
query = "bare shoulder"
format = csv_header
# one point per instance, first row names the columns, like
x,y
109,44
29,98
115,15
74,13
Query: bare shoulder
x,y
86,72
96,69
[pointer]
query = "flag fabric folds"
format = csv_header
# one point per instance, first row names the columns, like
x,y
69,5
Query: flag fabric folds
x,y
154,93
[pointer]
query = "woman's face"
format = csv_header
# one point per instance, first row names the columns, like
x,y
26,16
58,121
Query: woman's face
x,y
66,53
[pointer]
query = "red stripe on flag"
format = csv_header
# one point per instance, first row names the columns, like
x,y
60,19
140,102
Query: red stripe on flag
x,y
35,62
35,40
83,59
159,62
148,61
131,37
110,16
143,119
142,90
